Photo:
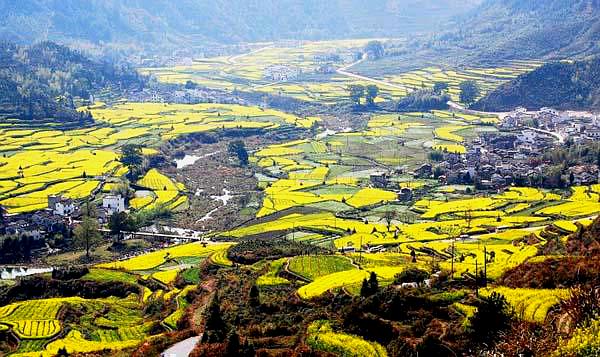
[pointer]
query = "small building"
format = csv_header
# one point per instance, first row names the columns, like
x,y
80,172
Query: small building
x,y
347,250
281,73
325,69
379,180
593,134
113,204
406,194
61,206
424,171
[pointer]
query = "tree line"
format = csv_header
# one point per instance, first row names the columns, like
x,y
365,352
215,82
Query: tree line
x,y
43,81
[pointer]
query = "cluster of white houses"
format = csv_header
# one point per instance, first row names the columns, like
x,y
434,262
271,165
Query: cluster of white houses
x,y
66,207
577,126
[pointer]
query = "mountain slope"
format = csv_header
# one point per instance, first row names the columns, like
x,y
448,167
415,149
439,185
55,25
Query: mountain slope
x,y
159,22
40,82
505,29
558,85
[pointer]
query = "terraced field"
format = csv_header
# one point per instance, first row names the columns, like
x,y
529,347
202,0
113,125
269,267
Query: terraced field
x,y
333,177
487,79
37,163
184,252
313,267
322,337
531,304
42,329
304,60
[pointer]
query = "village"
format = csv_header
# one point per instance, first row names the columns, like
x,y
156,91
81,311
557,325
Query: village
x,y
515,154
511,156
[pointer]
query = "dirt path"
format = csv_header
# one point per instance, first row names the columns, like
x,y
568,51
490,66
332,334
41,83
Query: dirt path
x,y
287,270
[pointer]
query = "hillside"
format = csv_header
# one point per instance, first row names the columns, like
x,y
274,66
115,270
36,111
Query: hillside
x,y
174,23
41,81
558,85
507,29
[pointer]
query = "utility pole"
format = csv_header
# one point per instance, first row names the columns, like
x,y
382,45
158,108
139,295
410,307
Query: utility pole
x,y
484,266
452,264
360,251
476,274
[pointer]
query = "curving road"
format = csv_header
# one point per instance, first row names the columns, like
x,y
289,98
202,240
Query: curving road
x,y
181,349
233,60
344,72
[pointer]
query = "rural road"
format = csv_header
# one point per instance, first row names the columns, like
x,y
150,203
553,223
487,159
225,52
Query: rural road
x,y
344,72
181,349
233,60
558,137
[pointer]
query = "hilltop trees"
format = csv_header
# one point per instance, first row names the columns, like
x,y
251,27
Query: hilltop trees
x,y
42,81
369,287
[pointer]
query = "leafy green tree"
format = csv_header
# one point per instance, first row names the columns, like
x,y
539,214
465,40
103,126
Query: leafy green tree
x,y
365,289
238,148
86,234
254,296
190,85
2,220
375,49
120,222
439,87
411,275
373,283
468,92
371,93
131,155
214,326
232,344
356,91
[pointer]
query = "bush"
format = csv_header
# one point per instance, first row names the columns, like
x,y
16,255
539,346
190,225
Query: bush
x,y
69,273
423,100
492,316
411,275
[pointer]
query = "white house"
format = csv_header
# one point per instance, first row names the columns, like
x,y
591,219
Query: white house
x,y
113,204
61,206
282,73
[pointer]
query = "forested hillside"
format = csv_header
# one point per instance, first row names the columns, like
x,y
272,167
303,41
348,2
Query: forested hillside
x,y
558,85
502,29
41,81
163,22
